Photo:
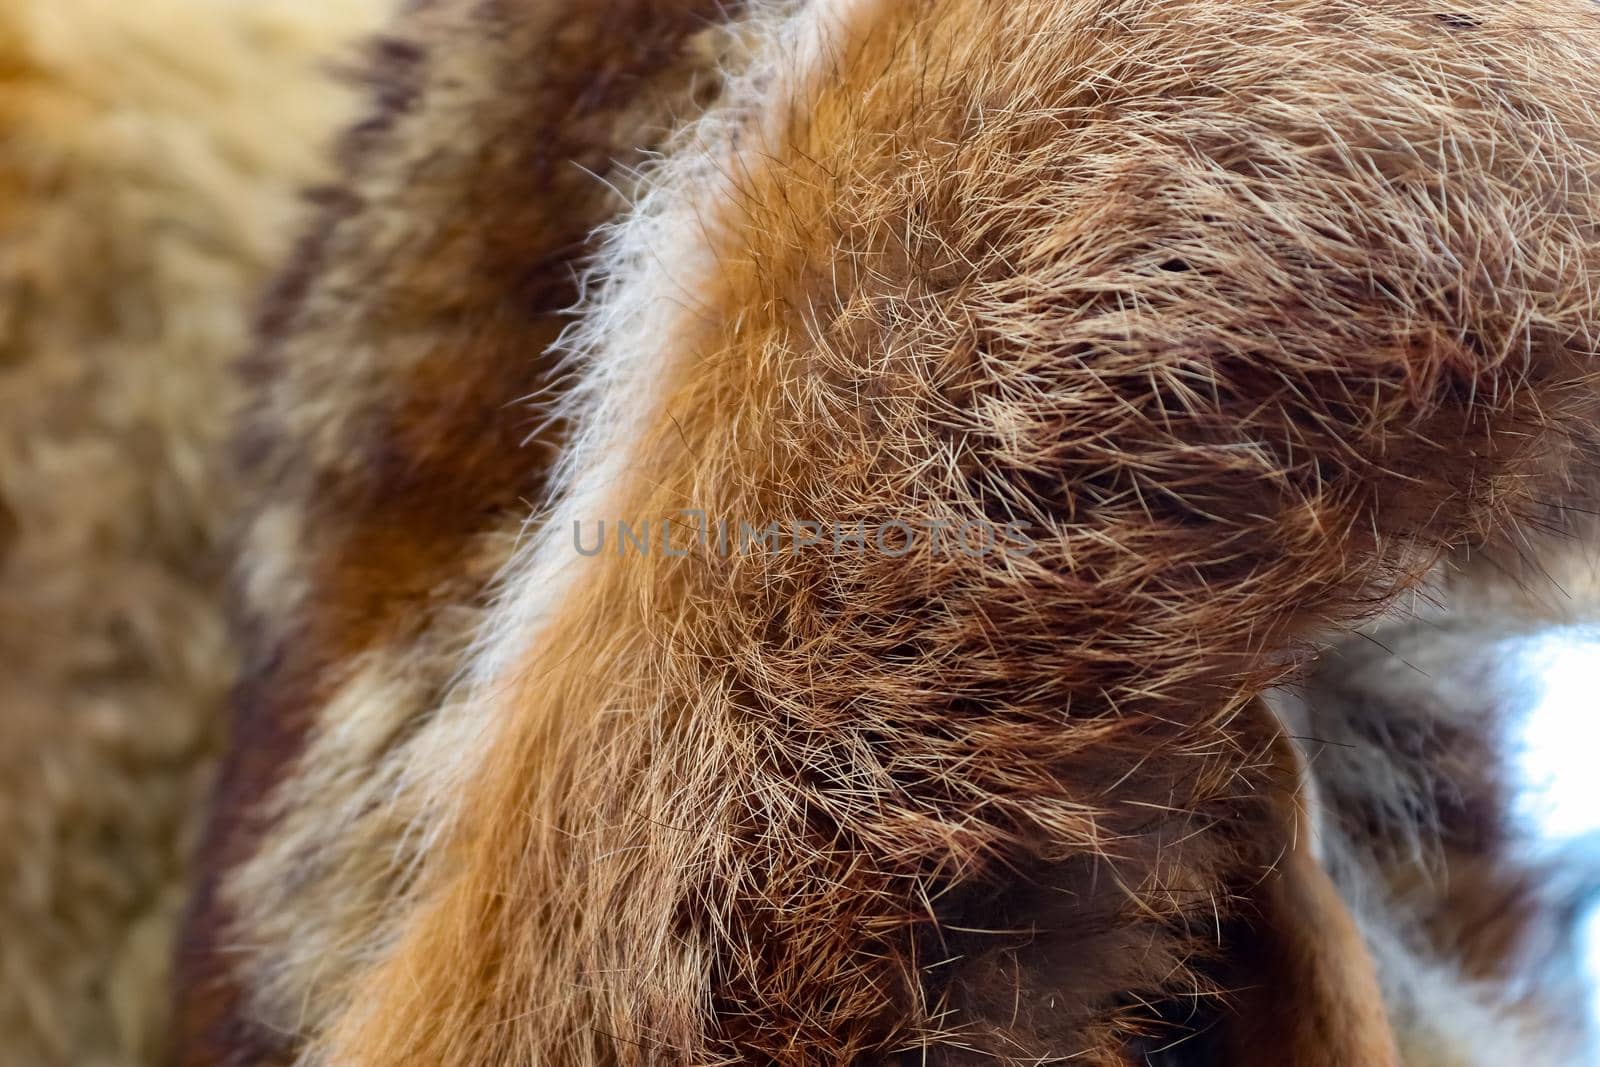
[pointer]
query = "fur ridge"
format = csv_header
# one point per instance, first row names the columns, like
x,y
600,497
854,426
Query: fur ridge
x,y
1249,313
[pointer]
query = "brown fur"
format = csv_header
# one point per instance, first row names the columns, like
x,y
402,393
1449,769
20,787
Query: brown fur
x,y
1302,980
397,476
1249,311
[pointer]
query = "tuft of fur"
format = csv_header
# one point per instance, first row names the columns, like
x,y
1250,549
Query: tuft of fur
x,y
150,160
1248,312
391,483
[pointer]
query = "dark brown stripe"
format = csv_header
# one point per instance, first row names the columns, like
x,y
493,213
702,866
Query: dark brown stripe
x,y
443,457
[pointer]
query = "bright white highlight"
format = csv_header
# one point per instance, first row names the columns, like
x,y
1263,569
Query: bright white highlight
x,y
1556,760
1560,739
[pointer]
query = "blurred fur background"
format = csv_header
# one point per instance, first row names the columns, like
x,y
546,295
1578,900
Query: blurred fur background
x,y
151,159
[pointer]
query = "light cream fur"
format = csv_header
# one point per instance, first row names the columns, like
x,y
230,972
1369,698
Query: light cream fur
x,y
151,158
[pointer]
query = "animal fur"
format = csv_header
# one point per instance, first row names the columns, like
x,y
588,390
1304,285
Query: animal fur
x,y
1248,312
150,155
1472,919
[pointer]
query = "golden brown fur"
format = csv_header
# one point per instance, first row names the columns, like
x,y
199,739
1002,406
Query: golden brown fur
x,y
150,160
1249,312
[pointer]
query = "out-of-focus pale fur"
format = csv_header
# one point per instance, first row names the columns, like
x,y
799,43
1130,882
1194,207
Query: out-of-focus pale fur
x,y
151,155
1380,720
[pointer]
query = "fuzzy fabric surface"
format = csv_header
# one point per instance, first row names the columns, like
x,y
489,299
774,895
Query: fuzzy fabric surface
x,y
151,155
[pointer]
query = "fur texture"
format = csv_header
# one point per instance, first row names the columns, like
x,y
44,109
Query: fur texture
x,y
395,479
1247,313
150,156
1474,920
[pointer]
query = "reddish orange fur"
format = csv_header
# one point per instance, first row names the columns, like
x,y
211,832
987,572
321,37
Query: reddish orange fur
x,y
1250,311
